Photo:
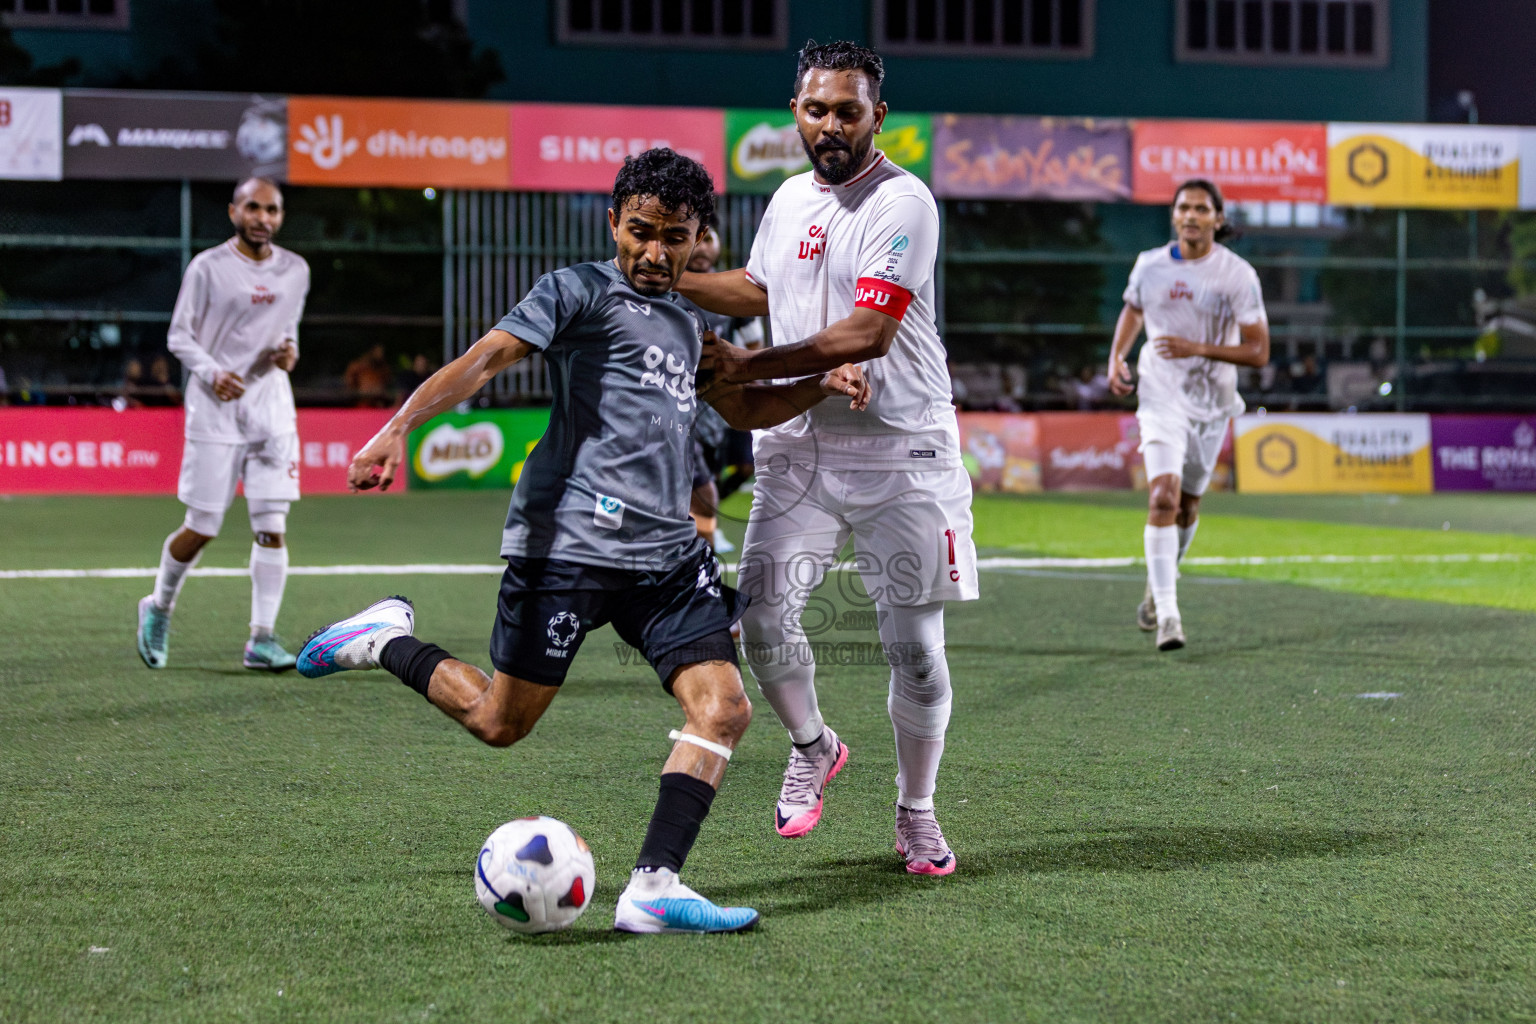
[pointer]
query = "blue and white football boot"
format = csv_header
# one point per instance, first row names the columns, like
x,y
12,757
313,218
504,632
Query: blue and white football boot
x,y
656,900
355,642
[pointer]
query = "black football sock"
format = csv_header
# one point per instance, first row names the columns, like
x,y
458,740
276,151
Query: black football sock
x,y
412,661
815,744
680,810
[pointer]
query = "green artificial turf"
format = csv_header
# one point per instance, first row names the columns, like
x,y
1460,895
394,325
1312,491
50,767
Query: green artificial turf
x,y
1229,832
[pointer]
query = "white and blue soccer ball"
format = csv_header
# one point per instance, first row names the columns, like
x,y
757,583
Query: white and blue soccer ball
x,y
534,875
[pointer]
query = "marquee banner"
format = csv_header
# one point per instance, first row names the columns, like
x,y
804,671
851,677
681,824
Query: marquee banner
x,y
118,135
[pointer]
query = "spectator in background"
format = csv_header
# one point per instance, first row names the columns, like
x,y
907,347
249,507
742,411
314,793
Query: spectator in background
x,y
414,376
160,390
368,379
1090,388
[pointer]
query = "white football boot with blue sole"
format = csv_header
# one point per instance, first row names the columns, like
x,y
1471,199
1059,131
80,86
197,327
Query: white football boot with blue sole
x,y
355,642
657,901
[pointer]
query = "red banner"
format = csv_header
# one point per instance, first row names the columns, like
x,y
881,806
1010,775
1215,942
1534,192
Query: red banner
x,y
578,148
1247,160
99,451
1088,451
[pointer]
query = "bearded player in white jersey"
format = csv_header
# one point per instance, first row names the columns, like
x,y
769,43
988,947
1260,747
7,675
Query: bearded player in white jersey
x,y
236,328
1204,315
843,265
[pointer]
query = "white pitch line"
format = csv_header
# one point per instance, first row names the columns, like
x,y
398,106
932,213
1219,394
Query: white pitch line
x,y
984,564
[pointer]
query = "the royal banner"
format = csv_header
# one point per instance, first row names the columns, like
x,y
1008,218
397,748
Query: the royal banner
x,y
984,157
763,149
1484,453
1247,160
118,135
1457,167
578,148
402,143
30,138
481,449
1324,453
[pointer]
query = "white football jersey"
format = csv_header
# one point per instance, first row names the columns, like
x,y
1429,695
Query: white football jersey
x,y
1203,300
820,251
231,314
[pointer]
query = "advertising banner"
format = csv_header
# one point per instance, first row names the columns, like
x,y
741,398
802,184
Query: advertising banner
x,y
403,143
1527,188
1247,160
577,148
1088,451
328,438
764,149
203,136
981,157
1001,450
30,137
1484,453
1458,167
481,449
1322,453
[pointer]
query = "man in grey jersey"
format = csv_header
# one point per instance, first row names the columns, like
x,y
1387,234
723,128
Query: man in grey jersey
x,y
598,530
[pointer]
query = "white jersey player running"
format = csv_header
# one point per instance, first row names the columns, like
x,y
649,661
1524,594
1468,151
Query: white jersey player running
x,y
843,264
235,329
1204,314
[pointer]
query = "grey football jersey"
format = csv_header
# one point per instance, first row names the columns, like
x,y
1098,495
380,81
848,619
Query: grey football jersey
x,y
609,482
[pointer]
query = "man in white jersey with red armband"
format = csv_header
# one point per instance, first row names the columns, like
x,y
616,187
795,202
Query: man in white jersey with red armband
x,y
1204,315
236,328
843,265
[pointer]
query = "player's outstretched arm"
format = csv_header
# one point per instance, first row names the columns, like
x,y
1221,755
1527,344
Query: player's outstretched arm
x,y
379,460
1252,350
862,335
729,293
1127,328
758,406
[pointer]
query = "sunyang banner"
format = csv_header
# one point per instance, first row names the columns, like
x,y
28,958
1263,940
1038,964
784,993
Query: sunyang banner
x,y
1324,453
579,148
1247,160
403,143
764,149
1457,167
983,157
481,449
30,139
202,136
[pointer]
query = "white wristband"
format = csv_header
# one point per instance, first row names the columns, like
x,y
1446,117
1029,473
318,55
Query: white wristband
x,y
699,741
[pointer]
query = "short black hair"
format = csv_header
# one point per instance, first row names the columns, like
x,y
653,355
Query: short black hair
x,y
841,55
673,180
260,179
1224,233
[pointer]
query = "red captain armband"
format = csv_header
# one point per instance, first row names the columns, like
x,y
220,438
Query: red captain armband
x,y
887,298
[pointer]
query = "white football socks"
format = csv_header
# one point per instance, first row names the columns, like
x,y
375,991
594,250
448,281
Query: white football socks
x,y
269,575
1186,535
171,576
777,659
920,698
1162,548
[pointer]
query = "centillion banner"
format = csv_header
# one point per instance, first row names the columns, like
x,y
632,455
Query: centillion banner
x,y
1323,453
1458,167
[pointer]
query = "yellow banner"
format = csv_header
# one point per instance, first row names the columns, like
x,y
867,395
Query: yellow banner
x,y
1333,454
1457,167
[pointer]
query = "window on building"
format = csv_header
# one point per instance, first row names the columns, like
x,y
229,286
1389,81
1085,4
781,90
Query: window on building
x,y
733,24
98,14
1332,32
990,28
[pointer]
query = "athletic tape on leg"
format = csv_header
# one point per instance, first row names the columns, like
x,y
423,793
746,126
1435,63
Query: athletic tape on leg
x,y
717,749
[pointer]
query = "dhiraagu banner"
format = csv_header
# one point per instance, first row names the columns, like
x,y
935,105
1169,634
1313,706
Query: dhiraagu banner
x,y
481,449
763,148
1323,453
1458,167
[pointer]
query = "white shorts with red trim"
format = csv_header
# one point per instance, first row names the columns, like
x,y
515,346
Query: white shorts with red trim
x,y
210,471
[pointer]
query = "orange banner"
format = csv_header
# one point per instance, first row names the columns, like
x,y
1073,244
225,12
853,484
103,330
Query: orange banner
x,y
403,143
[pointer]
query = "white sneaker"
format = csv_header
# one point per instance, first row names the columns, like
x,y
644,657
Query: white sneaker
x,y
355,642
656,900
805,780
722,543
1146,612
1170,633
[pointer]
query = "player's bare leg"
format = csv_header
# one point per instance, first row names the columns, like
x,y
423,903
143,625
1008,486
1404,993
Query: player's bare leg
x,y
1161,541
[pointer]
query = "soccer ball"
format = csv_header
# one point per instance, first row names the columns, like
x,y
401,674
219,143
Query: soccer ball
x,y
534,875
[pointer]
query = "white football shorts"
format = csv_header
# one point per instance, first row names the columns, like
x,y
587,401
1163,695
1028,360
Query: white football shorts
x,y
210,471
1173,444
911,531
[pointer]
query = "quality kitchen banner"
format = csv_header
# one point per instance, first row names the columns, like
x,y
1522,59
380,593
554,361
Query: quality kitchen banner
x,y
983,157
481,449
1247,160
764,148
1324,453
401,143
30,137
159,135
1459,167
579,148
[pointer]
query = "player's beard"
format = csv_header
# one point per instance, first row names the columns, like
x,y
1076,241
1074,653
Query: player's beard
x,y
837,173
650,288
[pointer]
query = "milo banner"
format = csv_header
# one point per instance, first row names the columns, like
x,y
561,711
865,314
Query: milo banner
x,y
983,157
1334,454
1484,453
1457,167
481,449
763,148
